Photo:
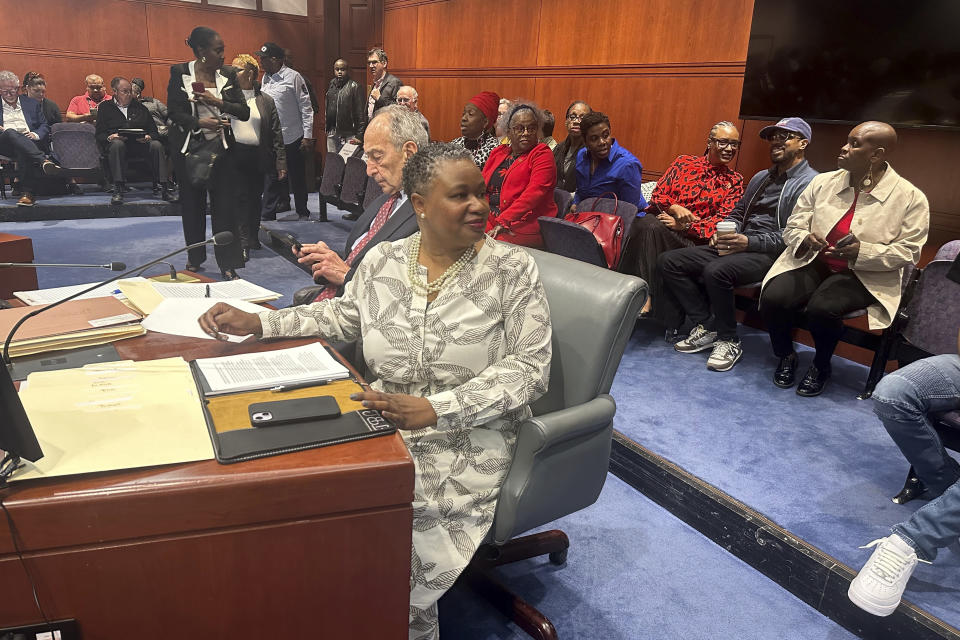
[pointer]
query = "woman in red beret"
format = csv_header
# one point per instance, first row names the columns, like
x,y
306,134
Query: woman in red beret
x,y
477,123
520,179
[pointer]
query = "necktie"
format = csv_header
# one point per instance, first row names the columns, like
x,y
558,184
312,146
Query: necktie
x,y
381,218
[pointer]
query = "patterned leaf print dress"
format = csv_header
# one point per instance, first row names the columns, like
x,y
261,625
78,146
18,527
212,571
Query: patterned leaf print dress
x,y
480,353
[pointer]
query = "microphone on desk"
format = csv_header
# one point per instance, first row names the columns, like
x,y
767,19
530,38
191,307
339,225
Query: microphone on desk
x,y
113,266
218,239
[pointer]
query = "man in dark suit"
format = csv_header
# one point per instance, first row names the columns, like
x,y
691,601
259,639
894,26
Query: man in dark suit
x,y
23,135
393,136
125,113
384,89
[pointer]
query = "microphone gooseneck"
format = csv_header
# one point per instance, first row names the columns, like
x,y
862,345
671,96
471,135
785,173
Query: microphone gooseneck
x,y
224,237
113,266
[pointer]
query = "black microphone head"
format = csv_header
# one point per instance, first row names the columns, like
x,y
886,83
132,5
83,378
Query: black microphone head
x,y
222,238
118,266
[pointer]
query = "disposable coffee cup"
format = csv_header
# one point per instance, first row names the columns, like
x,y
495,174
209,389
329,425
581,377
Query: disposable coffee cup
x,y
726,226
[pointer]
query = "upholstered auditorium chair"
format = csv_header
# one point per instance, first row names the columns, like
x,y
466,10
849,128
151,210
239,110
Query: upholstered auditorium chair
x,y
353,185
562,452
330,182
371,193
564,199
74,145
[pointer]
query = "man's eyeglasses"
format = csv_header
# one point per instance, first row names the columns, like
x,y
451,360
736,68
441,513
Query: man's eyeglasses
x,y
520,129
783,136
574,117
124,91
12,91
723,143
404,100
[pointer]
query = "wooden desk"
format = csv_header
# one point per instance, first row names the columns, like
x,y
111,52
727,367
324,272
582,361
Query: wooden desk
x,y
16,249
314,544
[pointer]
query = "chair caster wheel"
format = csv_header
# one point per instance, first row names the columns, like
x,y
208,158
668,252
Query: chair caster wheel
x,y
558,557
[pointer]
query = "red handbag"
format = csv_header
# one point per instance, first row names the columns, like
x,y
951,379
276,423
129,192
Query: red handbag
x,y
607,228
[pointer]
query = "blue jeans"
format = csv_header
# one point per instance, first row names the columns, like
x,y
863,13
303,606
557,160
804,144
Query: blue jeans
x,y
904,401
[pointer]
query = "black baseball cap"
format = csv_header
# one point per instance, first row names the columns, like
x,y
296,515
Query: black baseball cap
x,y
271,50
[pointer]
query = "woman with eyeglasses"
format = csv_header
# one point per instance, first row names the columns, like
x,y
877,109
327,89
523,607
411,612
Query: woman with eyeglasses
x,y
520,179
565,153
692,196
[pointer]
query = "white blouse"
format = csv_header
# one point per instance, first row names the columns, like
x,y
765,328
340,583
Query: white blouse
x,y
248,132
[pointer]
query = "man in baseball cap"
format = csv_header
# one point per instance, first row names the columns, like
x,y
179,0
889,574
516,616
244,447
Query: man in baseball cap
x,y
745,246
292,97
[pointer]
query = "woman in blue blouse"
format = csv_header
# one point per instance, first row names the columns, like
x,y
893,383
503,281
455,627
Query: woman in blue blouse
x,y
604,166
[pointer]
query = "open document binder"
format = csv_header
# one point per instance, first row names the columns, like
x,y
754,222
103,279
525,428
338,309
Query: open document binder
x,y
229,385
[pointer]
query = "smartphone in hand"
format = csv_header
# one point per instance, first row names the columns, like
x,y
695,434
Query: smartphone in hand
x,y
198,87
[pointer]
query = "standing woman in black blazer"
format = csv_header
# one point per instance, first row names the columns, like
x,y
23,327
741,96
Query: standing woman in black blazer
x,y
257,151
204,114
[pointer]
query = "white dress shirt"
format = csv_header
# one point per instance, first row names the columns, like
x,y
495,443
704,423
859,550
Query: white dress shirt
x,y
290,93
13,117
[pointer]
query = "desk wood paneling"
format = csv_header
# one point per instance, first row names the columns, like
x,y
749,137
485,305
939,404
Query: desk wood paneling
x,y
301,545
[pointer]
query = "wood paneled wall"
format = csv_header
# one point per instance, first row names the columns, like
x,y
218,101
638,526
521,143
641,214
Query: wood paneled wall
x,y
663,70
66,39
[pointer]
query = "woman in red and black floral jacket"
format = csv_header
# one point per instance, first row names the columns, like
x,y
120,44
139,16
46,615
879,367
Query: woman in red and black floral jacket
x,y
692,196
520,179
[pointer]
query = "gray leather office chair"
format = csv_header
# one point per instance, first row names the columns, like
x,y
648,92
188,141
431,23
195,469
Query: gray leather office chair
x,y
563,451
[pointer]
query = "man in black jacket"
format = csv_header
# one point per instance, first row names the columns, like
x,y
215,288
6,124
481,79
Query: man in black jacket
x,y
385,86
345,108
394,135
123,113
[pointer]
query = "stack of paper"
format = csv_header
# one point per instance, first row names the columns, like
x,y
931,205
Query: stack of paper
x,y
115,415
308,364
46,296
146,295
77,323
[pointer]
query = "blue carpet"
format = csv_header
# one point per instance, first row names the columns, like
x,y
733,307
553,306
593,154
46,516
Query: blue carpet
x,y
823,468
635,571
136,241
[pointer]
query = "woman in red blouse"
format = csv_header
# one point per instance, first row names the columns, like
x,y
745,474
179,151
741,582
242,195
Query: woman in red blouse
x,y
691,197
520,179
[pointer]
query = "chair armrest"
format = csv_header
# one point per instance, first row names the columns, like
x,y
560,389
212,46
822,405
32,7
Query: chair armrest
x,y
559,466
542,432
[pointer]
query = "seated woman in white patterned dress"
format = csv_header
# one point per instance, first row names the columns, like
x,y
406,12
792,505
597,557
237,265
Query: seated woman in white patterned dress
x,y
456,328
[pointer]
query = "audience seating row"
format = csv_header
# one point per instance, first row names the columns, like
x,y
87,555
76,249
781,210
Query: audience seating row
x,y
346,185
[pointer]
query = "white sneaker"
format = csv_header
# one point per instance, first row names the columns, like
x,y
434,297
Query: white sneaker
x,y
698,340
879,586
724,355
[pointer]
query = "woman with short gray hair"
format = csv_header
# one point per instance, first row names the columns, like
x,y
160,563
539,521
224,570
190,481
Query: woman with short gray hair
x,y
456,330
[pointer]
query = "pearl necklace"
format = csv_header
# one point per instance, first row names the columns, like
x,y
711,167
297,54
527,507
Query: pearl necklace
x,y
413,269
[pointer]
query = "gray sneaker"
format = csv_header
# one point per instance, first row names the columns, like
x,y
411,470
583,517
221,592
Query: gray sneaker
x,y
724,355
698,340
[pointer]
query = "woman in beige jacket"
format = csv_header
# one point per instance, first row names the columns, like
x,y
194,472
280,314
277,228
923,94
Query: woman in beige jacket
x,y
848,239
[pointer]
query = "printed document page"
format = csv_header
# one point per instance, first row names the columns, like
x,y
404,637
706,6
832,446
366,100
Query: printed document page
x,y
47,296
241,289
249,371
178,316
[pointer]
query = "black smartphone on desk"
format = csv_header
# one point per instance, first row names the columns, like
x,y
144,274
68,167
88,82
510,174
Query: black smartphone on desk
x,y
268,414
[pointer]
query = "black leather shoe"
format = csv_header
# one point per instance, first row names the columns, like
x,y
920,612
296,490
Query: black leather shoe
x,y
246,255
156,189
229,274
813,382
351,216
117,196
193,267
673,336
785,375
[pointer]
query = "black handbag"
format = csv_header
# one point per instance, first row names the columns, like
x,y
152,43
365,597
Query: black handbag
x,y
200,158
